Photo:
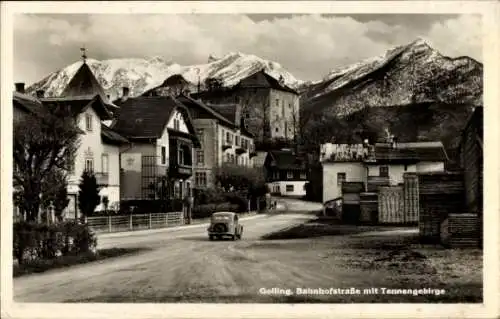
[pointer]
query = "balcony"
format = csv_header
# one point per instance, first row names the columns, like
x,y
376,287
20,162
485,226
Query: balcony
x,y
226,145
374,182
240,150
102,179
180,161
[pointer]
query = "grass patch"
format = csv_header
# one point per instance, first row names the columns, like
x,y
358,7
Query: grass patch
x,y
319,227
40,266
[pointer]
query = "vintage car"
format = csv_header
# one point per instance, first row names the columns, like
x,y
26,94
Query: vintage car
x,y
224,224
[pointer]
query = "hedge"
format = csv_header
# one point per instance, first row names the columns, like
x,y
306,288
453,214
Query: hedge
x,y
34,241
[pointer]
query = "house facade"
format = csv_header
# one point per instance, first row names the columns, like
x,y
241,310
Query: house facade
x,y
99,145
269,107
382,164
223,139
286,173
161,149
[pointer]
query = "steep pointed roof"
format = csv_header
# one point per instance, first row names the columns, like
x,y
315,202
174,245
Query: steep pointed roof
x,y
84,83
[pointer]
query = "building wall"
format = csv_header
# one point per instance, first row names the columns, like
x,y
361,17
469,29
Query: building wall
x,y
281,188
355,172
213,136
471,158
283,113
396,172
182,122
430,167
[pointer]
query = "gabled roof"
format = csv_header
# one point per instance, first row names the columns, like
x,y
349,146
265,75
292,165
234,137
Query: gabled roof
x,y
111,137
262,79
411,152
226,113
79,104
84,83
285,159
26,103
148,116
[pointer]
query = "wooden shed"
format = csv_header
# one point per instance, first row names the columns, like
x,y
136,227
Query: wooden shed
x,y
440,194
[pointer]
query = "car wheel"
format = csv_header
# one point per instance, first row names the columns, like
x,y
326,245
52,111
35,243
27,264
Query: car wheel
x,y
211,237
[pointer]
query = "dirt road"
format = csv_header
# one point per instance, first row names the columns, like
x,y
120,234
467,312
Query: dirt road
x,y
182,265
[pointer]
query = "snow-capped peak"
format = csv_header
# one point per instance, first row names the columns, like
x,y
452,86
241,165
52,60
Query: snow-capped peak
x,y
141,75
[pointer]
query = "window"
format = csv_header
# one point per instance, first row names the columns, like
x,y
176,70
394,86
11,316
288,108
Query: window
x,y
232,159
276,175
105,163
180,158
163,155
229,138
303,175
384,171
201,179
228,158
237,140
200,157
406,167
244,143
277,129
289,105
200,132
289,188
177,124
88,122
277,102
289,174
89,165
276,188
341,177
283,109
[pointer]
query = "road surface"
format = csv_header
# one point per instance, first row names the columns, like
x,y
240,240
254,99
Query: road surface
x,y
181,266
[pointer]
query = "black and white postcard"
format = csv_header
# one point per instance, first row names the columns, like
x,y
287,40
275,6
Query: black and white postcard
x,y
250,159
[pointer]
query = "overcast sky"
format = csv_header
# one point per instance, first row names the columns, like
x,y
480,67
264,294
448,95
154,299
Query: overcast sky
x,y
308,46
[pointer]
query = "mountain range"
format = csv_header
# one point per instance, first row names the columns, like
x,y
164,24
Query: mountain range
x,y
412,82
141,75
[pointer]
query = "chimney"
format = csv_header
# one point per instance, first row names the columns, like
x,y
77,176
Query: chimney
x,y
20,87
125,93
40,93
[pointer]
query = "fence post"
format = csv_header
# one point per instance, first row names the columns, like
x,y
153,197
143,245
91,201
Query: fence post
x,y
130,223
109,223
150,221
166,218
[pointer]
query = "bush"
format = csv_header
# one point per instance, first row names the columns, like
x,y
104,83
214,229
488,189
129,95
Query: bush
x,y
33,241
208,196
238,198
149,206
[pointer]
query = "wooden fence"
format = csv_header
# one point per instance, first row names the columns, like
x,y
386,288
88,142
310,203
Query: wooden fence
x,y
460,230
391,205
119,223
411,206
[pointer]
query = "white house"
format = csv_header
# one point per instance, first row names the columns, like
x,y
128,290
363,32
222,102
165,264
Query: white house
x,y
162,138
286,173
379,164
98,151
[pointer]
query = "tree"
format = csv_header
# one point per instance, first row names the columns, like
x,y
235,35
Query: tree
x,y
55,191
230,176
213,84
43,142
88,194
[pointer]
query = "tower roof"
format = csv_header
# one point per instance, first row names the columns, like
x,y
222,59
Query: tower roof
x,y
84,83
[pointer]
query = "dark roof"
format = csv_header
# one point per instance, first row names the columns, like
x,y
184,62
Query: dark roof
x,y
411,152
285,160
262,79
227,113
26,102
147,117
84,83
188,102
111,137
174,80
475,119
80,103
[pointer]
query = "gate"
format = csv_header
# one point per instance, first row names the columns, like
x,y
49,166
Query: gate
x,y
150,177
411,205
391,205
